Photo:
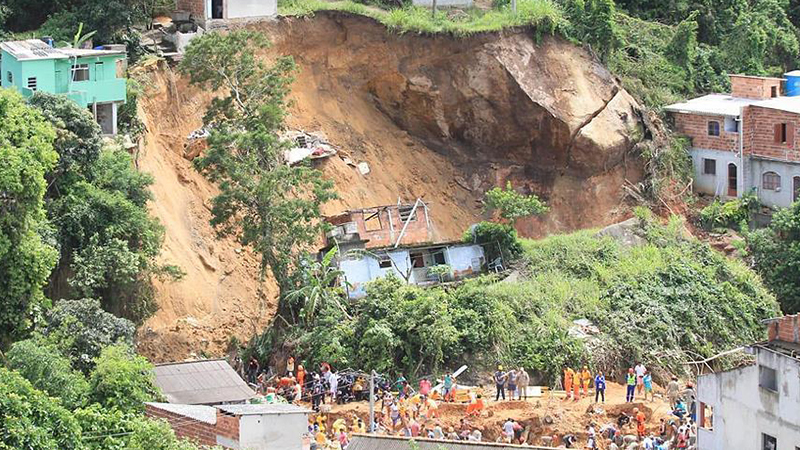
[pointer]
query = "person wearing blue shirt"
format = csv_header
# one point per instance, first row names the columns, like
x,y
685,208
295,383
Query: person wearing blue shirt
x,y
600,387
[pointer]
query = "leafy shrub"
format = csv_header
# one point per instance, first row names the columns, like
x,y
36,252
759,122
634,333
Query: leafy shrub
x,y
122,379
512,205
42,363
734,212
498,239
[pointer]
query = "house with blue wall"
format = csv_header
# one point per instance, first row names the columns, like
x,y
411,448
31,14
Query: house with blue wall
x,y
399,240
92,78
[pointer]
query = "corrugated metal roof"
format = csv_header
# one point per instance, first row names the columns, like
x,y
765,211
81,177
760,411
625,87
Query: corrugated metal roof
x,y
201,383
259,409
33,49
788,104
380,442
207,414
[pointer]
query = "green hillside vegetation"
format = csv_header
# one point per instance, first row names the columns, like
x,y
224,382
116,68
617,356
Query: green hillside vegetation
x,y
668,301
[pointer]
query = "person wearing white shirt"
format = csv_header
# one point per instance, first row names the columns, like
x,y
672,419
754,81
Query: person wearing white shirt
x,y
640,371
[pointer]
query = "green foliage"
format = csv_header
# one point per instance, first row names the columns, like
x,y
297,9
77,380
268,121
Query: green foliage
x,y
107,18
731,213
315,279
128,113
118,430
81,329
31,419
499,240
123,380
544,16
273,207
42,363
511,204
776,256
26,154
594,22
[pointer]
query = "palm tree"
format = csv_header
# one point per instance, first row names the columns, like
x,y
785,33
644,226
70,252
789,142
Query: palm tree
x,y
321,286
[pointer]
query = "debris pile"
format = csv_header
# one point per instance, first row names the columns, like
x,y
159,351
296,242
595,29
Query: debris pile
x,y
306,146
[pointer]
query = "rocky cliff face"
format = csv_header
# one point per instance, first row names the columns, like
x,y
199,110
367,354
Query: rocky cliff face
x,y
440,118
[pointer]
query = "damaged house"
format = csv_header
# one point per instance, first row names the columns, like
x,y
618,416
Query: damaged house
x,y
205,10
398,239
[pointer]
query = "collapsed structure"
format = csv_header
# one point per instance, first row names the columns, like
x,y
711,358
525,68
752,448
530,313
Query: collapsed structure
x,y
757,406
745,140
397,239
92,78
204,11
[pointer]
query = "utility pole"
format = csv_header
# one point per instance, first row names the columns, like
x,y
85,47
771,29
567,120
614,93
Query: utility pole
x,y
514,6
433,11
372,399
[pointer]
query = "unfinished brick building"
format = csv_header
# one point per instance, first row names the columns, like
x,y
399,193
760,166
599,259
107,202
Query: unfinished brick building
x,y
202,10
744,141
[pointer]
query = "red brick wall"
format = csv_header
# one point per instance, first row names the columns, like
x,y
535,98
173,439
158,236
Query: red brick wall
x,y
696,127
416,233
786,329
195,7
760,133
195,430
753,87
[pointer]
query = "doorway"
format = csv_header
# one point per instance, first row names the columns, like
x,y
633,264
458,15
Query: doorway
x,y
733,180
217,9
795,189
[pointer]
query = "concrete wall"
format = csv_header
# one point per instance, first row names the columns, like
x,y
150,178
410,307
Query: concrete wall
x,y
251,8
787,171
272,431
444,3
465,260
714,184
742,410
754,87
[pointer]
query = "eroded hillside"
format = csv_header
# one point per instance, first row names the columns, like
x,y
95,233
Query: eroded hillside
x,y
440,118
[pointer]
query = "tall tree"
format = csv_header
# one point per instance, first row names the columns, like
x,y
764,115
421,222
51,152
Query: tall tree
x,y
267,204
26,154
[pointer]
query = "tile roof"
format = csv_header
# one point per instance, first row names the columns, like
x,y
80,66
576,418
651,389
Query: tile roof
x,y
201,382
381,442
35,49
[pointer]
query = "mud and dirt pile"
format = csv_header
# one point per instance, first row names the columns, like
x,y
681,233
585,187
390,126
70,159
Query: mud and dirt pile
x,y
440,118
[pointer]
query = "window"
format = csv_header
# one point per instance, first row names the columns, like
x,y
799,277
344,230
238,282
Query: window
x,y
32,83
300,141
706,420
80,72
731,125
770,181
406,212
781,133
709,166
768,378
372,220
438,256
713,128
768,442
773,91
10,77
385,263
417,260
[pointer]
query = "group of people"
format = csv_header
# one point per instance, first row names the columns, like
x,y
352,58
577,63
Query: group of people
x,y
577,382
515,381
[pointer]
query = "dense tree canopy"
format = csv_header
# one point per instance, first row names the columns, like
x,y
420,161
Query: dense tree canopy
x,y
26,154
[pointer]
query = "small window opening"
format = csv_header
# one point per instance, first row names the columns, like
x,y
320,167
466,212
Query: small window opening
x,y
406,212
301,141
372,221
438,256
385,263
731,125
31,83
768,442
773,91
709,166
768,378
417,260
10,77
706,417
80,72
771,181
713,128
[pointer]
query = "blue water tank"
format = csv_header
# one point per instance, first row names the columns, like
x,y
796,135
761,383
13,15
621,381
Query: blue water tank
x,y
792,83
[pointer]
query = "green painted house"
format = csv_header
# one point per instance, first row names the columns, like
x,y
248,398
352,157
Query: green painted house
x,y
92,78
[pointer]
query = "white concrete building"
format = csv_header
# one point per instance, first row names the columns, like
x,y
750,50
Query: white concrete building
x,y
755,407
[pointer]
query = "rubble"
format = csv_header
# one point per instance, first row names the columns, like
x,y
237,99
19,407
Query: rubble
x,y
306,146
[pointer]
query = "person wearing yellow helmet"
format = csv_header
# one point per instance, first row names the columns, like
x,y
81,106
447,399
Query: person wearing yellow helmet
x,y
500,383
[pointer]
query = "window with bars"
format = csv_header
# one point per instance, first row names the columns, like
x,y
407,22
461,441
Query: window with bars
x,y
709,166
713,128
31,84
770,181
